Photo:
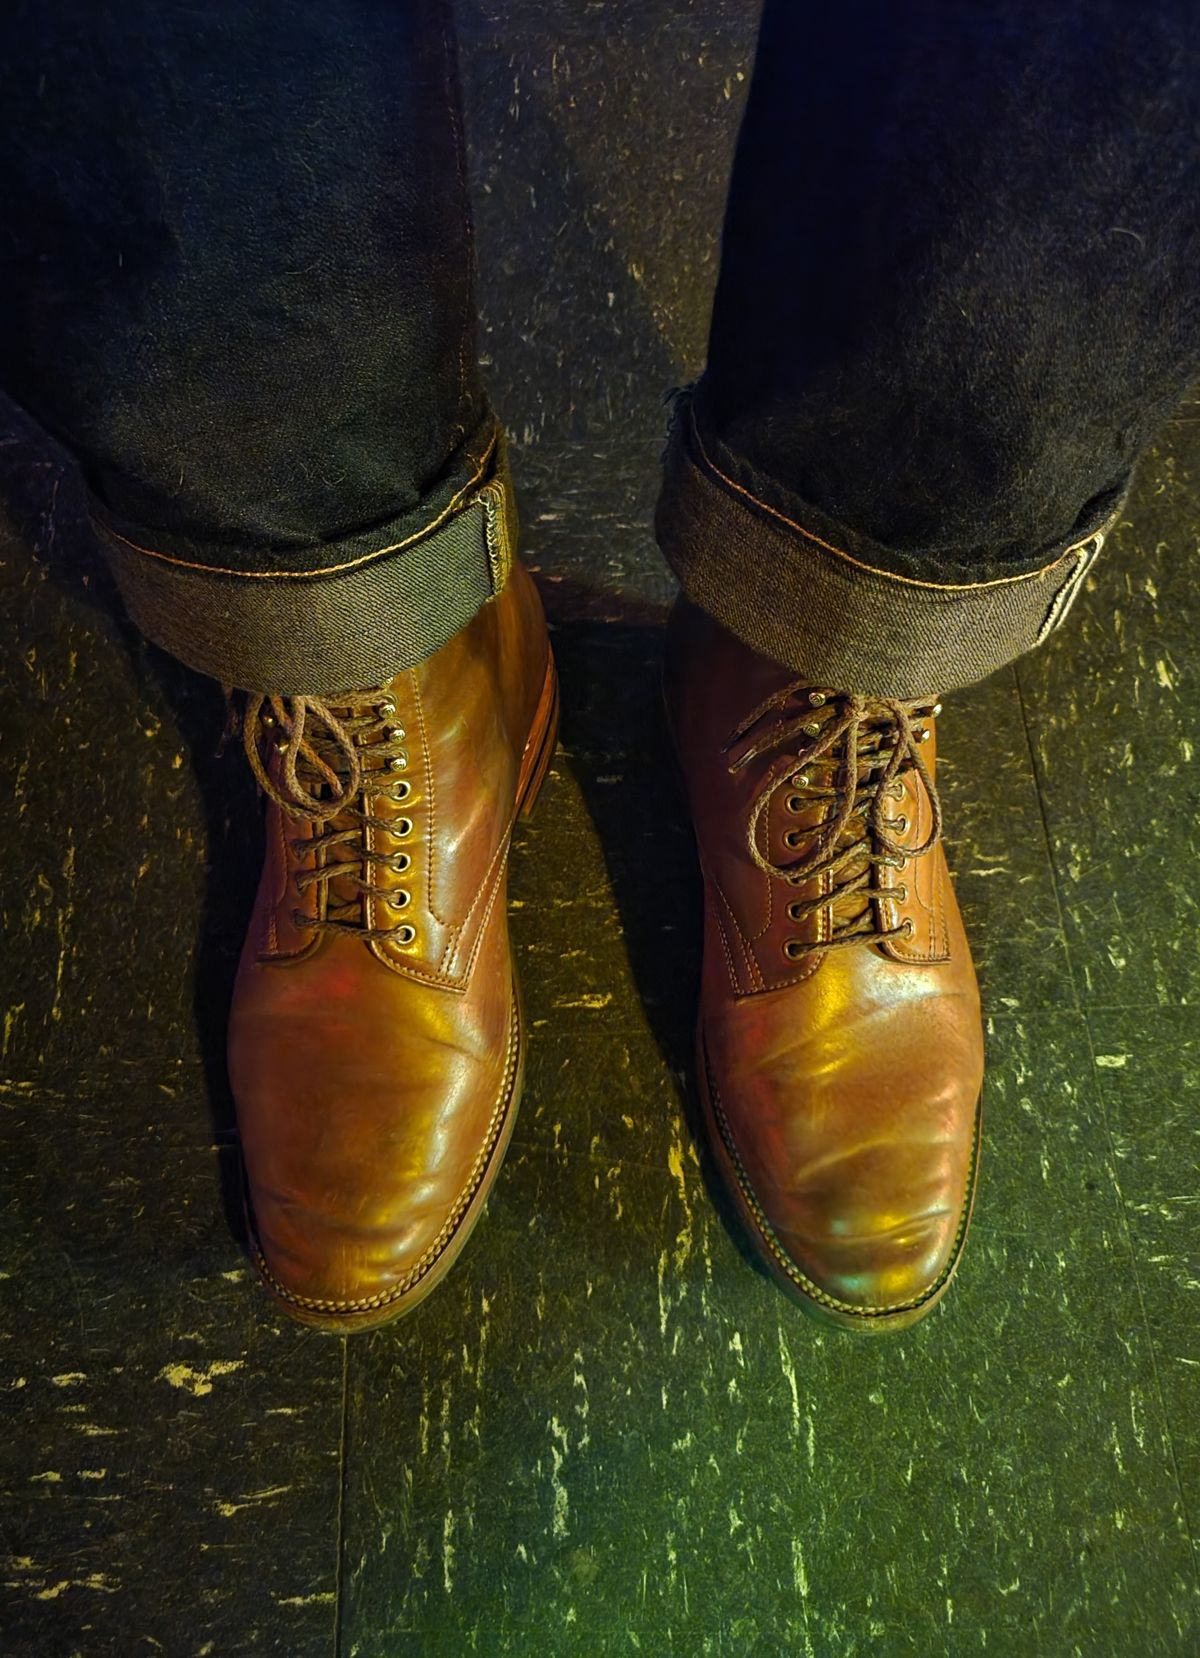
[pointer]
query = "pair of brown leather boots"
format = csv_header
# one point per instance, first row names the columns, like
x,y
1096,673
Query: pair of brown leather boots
x,y
376,1043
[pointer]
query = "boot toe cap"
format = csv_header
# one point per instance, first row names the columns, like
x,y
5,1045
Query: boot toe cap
x,y
864,1229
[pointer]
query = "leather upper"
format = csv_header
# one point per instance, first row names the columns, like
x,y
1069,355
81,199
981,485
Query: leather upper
x,y
373,1074
843,1081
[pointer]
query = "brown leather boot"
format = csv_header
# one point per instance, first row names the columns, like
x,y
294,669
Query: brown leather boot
x,y
375,1044
839,1050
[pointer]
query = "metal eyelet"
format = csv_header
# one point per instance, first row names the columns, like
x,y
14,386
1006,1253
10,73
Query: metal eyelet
x,y
405,934
397,762
387,709
792,838
400,865
403,790
900,893
395,734
400,828
900,823
793,912
817,699
399,900
794,803
908,929
793,949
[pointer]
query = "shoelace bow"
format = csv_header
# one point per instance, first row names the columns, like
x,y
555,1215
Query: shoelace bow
x,y
861,748
329,750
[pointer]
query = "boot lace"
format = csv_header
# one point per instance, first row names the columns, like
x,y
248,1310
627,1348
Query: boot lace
x,y
336,756
852,756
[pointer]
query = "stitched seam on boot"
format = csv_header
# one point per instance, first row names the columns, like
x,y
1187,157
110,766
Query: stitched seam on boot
x,y
800,1279
493,875
753,972
486,888
449,1227
899,949
431,796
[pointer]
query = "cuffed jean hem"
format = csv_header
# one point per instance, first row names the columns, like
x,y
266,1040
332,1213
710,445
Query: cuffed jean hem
x,y
834,616
364,608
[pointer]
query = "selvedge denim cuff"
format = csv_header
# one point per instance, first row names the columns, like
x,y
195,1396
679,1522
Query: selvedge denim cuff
x,y
369,606
831,614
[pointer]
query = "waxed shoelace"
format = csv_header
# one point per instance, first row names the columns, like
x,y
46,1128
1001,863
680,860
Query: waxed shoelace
x,y
861,747
329,748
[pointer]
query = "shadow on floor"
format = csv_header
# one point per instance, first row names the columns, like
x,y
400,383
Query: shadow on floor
x,y
44,498
616,746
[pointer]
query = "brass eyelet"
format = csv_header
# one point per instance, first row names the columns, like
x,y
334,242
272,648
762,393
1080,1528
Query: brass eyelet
x,y
403,790
387,708
400,865
792,838
900,823
908,929
793,912
405,934
398,900
794,803
395,734
397,762
793,949
900,893
400,828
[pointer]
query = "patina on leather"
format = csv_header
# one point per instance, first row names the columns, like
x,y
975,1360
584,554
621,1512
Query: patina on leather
x,y
840,1049
375,1043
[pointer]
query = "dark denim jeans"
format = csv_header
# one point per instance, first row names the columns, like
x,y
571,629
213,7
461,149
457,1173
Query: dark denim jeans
x,y
960,290
958,294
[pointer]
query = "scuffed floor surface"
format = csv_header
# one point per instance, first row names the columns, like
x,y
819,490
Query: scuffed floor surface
x,y
606,1433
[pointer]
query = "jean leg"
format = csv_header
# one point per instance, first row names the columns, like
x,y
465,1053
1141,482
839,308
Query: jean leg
x,y
236,283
